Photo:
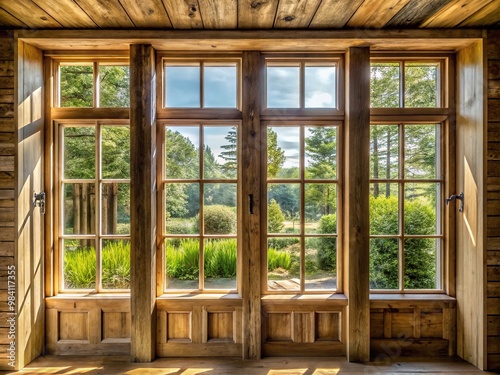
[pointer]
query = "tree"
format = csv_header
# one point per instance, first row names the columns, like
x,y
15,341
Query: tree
x,y
275,218
275,155
230,155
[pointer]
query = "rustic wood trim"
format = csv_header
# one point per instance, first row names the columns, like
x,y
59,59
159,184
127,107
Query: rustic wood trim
x,y
251,141
143,199
356,224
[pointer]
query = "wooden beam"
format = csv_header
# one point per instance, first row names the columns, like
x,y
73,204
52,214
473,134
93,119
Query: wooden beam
x,y
250,169
143,199
356,241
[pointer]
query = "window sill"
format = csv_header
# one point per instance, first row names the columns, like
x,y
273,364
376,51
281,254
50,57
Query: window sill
x,y
70,296
338,299
200,296
403,300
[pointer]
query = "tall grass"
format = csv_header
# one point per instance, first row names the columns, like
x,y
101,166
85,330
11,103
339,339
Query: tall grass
x,y
80,268
278,259
220,258
182,258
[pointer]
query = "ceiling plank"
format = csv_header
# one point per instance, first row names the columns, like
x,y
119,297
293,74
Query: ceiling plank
x,y
147,13
8,20
334,13
184,14
67,13
376,13
489,15
30,14
256,14
295,13
416,12
454,13
219,14
106,13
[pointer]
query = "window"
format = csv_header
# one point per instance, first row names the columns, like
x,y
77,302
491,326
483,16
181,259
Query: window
x,y
76,87
201,84
302,211
94,205
200,186
301,84
406,84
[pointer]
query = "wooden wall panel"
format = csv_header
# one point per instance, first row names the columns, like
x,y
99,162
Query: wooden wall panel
x,y
493,203
90,326
7,174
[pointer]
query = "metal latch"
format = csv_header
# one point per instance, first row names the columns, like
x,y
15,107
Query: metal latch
x,y
460,197
39,201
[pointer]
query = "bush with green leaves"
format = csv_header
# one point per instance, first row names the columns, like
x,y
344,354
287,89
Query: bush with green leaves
x,y
218,219
275,218
278,259
327,247
419,253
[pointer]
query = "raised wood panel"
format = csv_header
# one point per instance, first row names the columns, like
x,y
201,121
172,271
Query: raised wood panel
x,y
402,324
115,325
303,327
334,13
431,324
327,326
220,326
73,326
179,326
278,327
377,323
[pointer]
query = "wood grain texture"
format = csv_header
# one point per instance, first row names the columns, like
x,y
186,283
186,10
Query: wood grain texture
x,y
376,13
67,13
143,199
334,13
256,14
30,14
219,14
487,16
454,13
295,14
8,20
184,14
106,13
415,12
356,221
147,14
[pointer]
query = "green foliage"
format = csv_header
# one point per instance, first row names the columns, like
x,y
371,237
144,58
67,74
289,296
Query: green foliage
x,y
76,85
275,218
114,86
217,219
419,253
177,226
80,266
220,258
327,246
182,259
230,153
275,155
282,243
278,259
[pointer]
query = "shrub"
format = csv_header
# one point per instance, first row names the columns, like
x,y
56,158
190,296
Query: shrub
x,y
116,265
217,219
327,246
179,227
182,259
280,243
278,259
275,218
220,258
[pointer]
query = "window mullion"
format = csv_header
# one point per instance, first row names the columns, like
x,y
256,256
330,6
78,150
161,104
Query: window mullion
x,y
98,198
401,207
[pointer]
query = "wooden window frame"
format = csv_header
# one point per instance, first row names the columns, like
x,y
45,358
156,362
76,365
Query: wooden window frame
x,y
444,117
98,181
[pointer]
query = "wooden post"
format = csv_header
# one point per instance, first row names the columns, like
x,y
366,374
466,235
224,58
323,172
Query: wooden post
x,y
250,167
357,245
143,201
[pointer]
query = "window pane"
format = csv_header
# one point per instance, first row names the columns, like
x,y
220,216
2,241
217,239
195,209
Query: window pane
x,y
76,85
79,152
283,87
220,263
115,208
384,263
320,87
421,85
79,208
321,263
79,264
384,85
181,152
283,211
421,257
321,208
115,264
384,151
321,152
220,86
114,90
421,142
182,263
422,206
182,204
384,209
283,264
220,153
115,156
182,86
283,152
219,212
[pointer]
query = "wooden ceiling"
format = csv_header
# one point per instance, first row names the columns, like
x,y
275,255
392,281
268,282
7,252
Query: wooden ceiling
x,y
248,14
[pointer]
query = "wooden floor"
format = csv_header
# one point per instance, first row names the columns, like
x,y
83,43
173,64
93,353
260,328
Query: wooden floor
x,y
268,366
